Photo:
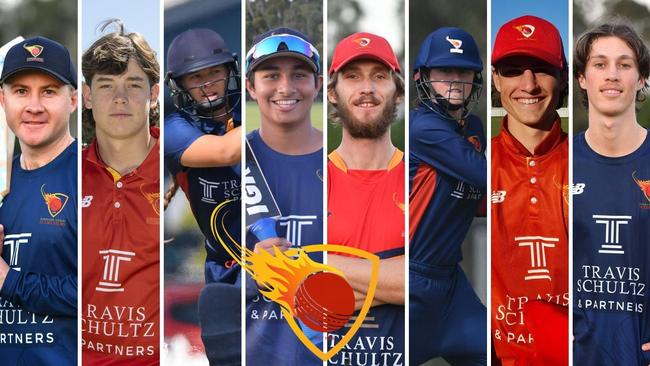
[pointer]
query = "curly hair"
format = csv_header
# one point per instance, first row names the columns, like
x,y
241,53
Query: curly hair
x,y
110,55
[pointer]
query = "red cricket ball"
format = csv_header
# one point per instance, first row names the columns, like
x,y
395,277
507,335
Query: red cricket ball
x,y
55,204
324,301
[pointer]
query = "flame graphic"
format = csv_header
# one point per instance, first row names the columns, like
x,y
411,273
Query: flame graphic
x,y
643,184
279,275
454,42
54,201
153,198
564,188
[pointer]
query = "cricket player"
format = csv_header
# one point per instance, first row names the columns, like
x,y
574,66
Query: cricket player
x,y
366,194
201,155
611,196
447,175
38,218
529,196
283,76
121,202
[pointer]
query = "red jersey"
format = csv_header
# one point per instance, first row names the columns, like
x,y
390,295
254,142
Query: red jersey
x,y
529,238
365,208
121,261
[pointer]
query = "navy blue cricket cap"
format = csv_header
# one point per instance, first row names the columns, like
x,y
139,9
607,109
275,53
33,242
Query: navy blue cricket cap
x,y
449,48
40,53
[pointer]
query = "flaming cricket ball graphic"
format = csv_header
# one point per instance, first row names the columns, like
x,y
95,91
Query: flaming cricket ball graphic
x,y
317,294
644,185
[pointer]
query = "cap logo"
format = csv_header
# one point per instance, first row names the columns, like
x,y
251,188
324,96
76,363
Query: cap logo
x,y
34,50
526,30
456,43
363,42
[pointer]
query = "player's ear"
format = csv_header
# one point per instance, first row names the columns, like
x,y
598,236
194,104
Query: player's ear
x,y
331,96
74,98
319,83
87,98
2,97
251,89
641,83
496,80
153,97
582,81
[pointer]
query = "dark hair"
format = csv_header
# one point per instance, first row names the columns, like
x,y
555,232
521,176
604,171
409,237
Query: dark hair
x,y
334,115
110,55
614,28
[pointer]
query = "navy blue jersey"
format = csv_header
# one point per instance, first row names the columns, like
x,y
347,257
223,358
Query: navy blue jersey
x,y
38,300
611,256
205,188
447,179
296,182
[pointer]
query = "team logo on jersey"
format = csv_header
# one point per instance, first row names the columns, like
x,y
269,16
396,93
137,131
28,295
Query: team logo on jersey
x,y
476,142
456,43
113,259
498,196
526,30
319,174
562,187
398,203
538,246
362,41
612,225
153,198
295,225
644,185
55,201
35,51
14,242
315,294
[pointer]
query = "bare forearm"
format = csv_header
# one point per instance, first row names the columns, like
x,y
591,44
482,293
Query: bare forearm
x,y
390,284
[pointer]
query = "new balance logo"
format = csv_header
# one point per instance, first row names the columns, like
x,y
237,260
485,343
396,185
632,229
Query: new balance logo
x,y
498,196
15,241
86,201
612,229
577,188
538,246
110,281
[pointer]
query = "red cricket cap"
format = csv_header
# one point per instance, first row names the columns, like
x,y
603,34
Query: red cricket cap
x,y
529,36
363,45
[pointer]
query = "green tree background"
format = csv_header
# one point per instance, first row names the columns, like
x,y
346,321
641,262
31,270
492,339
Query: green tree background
x,y
636,14
56,20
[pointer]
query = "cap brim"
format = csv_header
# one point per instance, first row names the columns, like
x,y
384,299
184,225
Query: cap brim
x,y
42,69
361,56
255,64
538,54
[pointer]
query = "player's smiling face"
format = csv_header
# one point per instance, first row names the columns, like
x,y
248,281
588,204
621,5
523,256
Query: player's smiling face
x,y
529,88
611,78
121,103
284,89
37,107
365,98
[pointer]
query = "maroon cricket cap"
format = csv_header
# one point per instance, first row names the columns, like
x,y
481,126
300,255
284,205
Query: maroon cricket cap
x,y
530,36
363,45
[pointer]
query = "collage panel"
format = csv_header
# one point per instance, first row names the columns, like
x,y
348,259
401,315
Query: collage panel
x,y
283,182
447,184
611,176
203,179
529,289
38,178
120,183
365,181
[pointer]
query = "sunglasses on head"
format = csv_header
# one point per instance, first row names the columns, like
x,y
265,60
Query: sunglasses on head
x,y
282,42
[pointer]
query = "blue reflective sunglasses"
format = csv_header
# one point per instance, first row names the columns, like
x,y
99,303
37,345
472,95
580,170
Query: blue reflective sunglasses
x,y
274,44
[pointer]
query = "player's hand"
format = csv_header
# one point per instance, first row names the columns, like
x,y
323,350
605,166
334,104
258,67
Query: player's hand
x,y
268,244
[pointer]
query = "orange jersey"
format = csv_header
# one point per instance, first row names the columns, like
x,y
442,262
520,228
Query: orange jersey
x,y
121,261
529,236
365,208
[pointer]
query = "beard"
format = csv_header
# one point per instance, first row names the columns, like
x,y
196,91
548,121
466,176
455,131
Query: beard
x,y
372,129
